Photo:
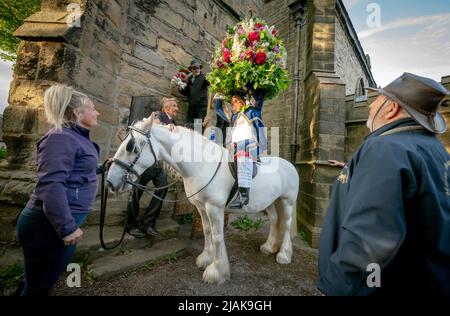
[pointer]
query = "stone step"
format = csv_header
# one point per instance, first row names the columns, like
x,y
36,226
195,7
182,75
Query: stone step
x,y
110,265
90,244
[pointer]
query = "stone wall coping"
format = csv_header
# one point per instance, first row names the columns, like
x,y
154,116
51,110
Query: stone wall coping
x,y
45,24
326,77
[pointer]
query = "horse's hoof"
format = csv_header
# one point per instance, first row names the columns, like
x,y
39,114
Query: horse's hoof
x,y
283,258
212,275
202,261
267,250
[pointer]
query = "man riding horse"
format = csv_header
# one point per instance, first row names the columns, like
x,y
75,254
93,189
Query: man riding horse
x,y
247,137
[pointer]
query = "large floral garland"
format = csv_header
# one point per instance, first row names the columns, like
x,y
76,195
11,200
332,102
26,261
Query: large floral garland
x,y
252,56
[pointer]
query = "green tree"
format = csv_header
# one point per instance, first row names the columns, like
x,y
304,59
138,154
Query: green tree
x,y
12,15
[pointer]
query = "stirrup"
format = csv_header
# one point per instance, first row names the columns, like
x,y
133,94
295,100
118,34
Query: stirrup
x,y
236,203
241,200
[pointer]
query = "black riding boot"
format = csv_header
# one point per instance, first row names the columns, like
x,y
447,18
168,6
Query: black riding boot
x,y
241,200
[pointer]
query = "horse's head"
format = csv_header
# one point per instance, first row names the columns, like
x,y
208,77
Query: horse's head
x,y
136,153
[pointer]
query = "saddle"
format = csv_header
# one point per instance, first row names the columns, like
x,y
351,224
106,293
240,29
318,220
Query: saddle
x,y
233,169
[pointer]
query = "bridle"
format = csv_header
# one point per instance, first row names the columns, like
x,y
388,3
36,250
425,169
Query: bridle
x,y
129,168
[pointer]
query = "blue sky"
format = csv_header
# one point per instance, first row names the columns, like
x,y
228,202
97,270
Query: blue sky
x,y
413,36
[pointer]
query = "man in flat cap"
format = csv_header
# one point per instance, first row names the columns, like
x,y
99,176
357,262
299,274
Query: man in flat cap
x,y
387,230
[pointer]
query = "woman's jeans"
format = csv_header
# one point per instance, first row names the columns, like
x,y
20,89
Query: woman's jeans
x,y
45,256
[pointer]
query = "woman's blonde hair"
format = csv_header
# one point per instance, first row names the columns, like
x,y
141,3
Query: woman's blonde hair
x,y
165,101
60,102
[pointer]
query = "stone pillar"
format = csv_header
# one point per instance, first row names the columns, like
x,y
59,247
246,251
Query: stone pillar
x,y
322,130
58,46
44,56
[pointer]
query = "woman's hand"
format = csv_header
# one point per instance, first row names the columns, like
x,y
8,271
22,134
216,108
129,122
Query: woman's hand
x,y
109,161
73,238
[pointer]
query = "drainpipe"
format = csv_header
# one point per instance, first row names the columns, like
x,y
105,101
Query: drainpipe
x,y
298,9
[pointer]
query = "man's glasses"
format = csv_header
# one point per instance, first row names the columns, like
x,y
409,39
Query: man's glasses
x,y
196,68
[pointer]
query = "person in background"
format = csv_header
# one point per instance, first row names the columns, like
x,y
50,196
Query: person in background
x,y
196,91
158,176
387,229
48,228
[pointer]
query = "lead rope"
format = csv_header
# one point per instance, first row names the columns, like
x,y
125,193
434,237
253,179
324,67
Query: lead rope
x,y
103,201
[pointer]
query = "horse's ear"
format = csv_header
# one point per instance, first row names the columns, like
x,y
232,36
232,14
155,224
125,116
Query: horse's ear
x,y
148,122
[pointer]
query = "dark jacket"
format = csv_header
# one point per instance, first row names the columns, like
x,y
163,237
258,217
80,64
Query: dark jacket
x,y
164,118
67,180
196,91
390,206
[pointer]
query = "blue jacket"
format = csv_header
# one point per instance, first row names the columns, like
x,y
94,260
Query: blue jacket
x,y
253,113
390,206
67,176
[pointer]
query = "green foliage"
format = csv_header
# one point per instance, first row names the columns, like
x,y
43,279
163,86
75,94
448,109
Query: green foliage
x,y
12,15
2,153
10,275
246,223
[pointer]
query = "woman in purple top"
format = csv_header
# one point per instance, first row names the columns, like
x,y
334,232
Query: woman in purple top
x,y
49,226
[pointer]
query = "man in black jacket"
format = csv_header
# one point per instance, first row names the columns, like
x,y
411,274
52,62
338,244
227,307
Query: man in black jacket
x,y
387,230
159,178
196,91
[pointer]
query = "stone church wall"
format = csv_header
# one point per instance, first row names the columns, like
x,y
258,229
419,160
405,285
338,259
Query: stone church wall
x,y
348,67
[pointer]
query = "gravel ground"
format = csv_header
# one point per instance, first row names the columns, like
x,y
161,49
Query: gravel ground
x,y
252,273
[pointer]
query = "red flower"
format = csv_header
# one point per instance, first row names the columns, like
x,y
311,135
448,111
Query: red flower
x,y
274,32
253,36
226,55
259,25
260,58
250,54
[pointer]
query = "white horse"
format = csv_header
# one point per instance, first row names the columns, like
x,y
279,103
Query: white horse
x,y
274,189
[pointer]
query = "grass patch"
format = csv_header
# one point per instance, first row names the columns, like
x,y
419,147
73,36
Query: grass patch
x,y
10,275
185,219
172,257
246,223
86,268
303,236
2,153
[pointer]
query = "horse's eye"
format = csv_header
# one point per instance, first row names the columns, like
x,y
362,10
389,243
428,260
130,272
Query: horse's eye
x,y
130,145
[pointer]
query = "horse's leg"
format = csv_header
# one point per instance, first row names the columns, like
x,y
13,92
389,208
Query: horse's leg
x,y
219,270
285,209
206,257
272,243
